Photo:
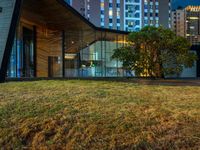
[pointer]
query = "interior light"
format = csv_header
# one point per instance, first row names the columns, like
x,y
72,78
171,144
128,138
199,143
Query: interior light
x,y
194,18
70,56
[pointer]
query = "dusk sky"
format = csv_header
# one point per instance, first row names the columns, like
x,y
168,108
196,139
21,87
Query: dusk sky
x,y
184,3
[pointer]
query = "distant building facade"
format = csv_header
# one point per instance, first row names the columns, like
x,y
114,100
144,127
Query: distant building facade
x,y
156,13
179,22
193,24
132,15
102,13
186,23
128,15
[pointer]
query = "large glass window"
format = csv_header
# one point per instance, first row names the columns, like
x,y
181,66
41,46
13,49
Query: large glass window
x,y
90,55
22,60
86,53
28,52
12,69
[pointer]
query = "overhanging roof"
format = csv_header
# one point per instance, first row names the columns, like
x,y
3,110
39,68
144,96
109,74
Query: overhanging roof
x,y
58,14
67,6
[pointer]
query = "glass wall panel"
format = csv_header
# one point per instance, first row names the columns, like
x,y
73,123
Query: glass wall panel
x,y
111,65
29,59
121,43
88,54
73,42
88,61
28,52
12,68
99,59
22,62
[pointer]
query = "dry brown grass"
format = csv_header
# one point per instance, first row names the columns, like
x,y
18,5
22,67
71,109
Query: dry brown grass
x,y
98,115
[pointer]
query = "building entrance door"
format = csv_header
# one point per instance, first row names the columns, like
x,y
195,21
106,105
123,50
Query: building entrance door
x,y
54,69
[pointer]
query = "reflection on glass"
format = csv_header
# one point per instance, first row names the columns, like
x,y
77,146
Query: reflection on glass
x,y
28,53
85,54
21,62
94,60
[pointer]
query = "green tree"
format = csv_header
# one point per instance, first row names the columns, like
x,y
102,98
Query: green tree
x,y
155,52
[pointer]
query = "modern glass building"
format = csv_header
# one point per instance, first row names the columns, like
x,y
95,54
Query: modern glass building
x,y
48,38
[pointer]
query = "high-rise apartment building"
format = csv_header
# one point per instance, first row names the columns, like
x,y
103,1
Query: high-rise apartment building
x,y
102,13
132,15
156,13
140,13
193,24
128,15
111,14
186,23
179,22
83,7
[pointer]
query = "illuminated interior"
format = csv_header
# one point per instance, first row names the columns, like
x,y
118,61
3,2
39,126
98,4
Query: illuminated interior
x,y
53,40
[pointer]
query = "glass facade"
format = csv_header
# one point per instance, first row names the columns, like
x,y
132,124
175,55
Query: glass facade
x,y
92,58
35,56
62,45
85,54
22,62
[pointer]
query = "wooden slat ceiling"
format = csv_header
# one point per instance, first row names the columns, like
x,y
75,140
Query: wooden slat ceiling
x,y
56,15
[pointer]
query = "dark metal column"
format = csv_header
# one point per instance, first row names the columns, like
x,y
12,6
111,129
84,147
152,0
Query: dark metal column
x,y
101,54
63,53
35,50
117,45
105,75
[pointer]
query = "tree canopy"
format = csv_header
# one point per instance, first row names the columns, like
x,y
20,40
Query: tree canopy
x,y
155,52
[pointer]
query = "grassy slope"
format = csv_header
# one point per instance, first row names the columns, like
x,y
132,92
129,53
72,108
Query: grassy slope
x,y
98,115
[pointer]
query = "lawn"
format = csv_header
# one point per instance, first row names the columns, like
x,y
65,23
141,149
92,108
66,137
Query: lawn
x,y
98,115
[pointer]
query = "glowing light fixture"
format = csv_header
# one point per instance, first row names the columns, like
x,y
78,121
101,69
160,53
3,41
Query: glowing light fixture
x,y
70,56
194,18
